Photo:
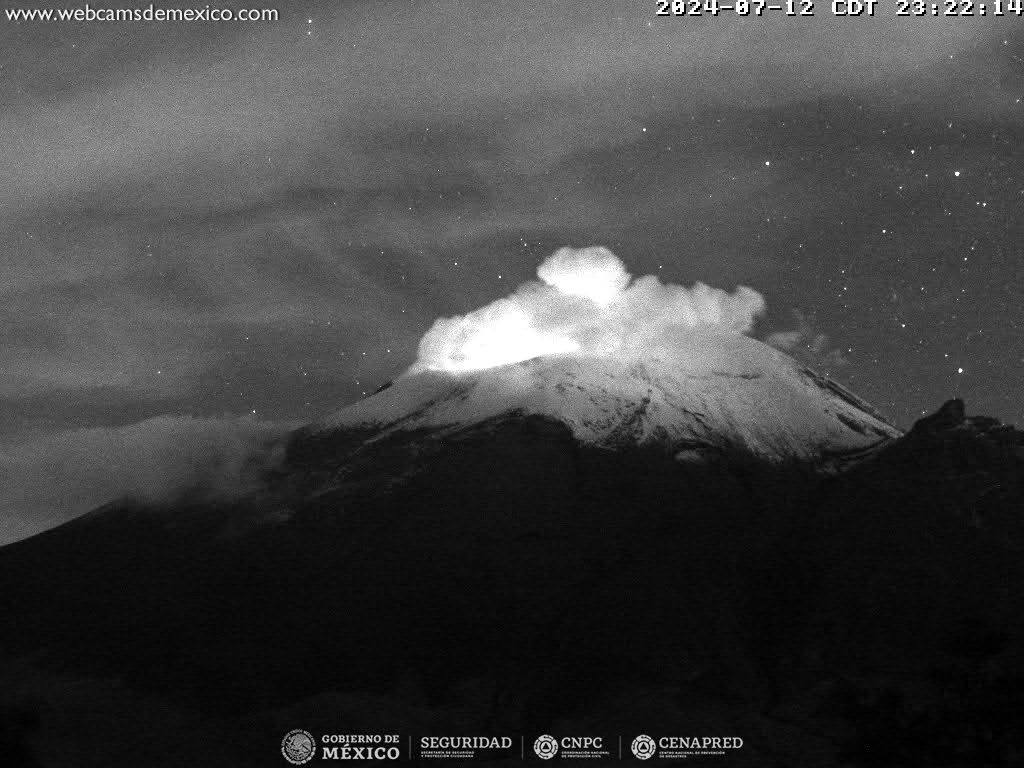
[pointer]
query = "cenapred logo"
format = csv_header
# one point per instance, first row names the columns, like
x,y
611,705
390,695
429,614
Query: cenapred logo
x,y
298,746
643,747
546,747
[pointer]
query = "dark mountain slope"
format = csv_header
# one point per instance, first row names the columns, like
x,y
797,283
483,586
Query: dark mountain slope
x,y
528,579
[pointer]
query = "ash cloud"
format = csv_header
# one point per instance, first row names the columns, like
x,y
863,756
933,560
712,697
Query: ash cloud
x,y
49,479
585,302
807,344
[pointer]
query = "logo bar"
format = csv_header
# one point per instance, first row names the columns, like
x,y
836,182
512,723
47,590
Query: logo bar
x,y
300,747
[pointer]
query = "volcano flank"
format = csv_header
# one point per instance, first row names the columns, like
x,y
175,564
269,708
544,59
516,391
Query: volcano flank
x,y
631,533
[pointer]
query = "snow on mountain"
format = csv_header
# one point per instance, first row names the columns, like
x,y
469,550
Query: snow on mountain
x,y
717,391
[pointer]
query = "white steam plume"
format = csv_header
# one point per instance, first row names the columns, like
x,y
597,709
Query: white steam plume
x,y
585,302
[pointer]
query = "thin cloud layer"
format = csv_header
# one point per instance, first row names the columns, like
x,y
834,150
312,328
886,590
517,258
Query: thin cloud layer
x,y
51,479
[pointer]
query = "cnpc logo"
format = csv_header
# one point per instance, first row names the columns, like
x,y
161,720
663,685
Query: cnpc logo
x,y
546,746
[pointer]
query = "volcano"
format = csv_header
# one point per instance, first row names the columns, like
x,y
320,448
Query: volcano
x,y
595,508
567,544
715,393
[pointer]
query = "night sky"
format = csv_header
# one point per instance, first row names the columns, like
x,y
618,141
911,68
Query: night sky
x,y
227,219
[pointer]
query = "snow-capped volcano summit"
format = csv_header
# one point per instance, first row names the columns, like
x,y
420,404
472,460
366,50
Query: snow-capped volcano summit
x,y
621,361
718,391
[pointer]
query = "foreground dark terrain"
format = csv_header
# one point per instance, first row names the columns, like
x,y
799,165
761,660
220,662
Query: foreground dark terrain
x,y
507,579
